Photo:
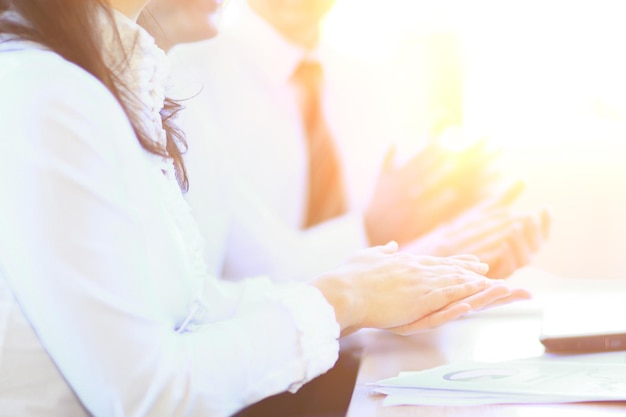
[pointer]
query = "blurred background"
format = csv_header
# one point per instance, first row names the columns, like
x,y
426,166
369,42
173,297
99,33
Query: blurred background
x,y
543,81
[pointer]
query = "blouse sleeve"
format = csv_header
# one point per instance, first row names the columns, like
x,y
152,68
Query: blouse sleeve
x,y
72,249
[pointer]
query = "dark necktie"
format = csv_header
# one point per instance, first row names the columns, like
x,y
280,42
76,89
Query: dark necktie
x,y
326,195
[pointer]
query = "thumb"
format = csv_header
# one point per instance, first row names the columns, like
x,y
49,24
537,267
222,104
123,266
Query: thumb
x,y
510,194
389,159
391,247
546,221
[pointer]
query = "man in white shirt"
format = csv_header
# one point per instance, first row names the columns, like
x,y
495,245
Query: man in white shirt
x,y
249,125
248,154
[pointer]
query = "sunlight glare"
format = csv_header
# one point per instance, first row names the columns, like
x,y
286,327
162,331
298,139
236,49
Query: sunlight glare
x,y
542,70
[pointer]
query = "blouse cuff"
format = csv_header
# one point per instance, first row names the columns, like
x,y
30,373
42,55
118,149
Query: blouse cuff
x,y
317,326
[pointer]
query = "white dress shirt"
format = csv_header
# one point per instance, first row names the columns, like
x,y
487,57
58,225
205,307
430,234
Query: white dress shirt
x,y
245,109
106,307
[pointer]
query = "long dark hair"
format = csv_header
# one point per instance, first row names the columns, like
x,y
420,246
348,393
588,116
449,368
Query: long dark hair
x,y
74,33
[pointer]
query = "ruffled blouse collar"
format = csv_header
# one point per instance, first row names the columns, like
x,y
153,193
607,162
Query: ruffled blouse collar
x,y
142,67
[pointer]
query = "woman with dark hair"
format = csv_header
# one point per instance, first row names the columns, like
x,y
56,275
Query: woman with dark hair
x,y
106,308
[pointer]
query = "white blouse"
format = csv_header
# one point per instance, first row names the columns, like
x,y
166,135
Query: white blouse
x,y
106,307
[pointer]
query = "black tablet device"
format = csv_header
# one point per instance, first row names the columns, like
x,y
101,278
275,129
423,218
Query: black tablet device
x,y
584,323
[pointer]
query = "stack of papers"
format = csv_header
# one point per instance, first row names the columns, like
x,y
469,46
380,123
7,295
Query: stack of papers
x,y
512,382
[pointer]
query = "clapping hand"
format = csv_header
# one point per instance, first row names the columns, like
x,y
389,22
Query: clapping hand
x,y
405,293
497,236
433,187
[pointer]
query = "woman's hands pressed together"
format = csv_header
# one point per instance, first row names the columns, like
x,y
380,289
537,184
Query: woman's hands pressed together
x,y
404,293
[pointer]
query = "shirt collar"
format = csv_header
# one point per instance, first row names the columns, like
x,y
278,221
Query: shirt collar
x,y
278,58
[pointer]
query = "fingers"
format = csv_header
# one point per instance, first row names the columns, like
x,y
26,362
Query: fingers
x,y
460,264
487,297
368,253
523,241
437,299
433,320
481,236
430,158
493,296
388,161
436,168
466,257
517,294
510,194
422,168
480,233
464,271
475,165
533,231
427,181
520,246
504,263
506,245
546,221
468,171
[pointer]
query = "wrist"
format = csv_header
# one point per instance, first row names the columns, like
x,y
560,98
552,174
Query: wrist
x,y
338,294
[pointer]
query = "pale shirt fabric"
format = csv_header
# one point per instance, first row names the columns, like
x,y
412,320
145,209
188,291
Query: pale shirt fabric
x,y
106,308
244,110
